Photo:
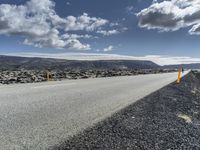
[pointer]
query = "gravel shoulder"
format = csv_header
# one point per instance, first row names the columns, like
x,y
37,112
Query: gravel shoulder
x,y
167,119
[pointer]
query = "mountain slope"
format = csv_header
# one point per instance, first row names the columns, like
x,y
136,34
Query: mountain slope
x,y
185,66
19,63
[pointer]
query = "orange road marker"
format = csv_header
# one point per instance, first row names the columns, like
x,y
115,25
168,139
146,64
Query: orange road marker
x,y
179,76
48,76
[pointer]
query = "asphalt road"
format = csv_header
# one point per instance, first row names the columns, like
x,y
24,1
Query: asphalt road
x,y
38,116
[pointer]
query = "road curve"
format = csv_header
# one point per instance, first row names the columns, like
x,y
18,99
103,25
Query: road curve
x,y
41,115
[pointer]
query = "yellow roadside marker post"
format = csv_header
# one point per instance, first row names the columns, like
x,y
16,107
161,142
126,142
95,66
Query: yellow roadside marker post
x,y
179,76
48,74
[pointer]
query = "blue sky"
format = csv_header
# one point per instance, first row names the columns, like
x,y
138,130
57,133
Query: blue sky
x,y
136,28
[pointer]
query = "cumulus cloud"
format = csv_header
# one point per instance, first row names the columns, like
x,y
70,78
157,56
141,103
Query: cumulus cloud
x,y
171,15
38,23
83,22
109,48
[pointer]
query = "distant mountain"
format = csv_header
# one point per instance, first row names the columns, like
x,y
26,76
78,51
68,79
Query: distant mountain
x,y
185,66
19,63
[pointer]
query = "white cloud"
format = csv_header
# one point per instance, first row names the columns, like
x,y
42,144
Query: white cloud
x,y
77,36
112,32
83,22
112,24
109,48
161,60
171,15
37,22
109,32
170,60
77,44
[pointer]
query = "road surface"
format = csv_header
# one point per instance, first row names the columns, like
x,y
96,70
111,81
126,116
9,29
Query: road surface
x,y
42,115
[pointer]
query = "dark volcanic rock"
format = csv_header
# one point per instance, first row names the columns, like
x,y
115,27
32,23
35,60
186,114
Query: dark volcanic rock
x,y
29,76
166,119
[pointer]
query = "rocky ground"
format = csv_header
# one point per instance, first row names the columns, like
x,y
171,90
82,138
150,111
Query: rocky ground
x,y
165,120
30,76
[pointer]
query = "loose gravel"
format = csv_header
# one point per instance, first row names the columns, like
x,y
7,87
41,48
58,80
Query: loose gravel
x,y
168,119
